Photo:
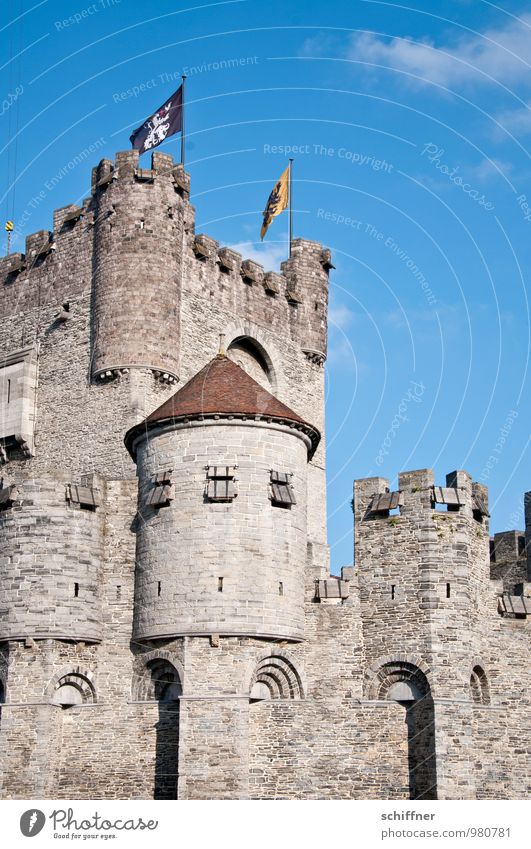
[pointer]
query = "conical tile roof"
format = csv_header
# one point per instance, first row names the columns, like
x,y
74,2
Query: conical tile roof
x,y
222,388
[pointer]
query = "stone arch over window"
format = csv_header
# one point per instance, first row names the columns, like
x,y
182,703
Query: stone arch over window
x,y
405,681
399,680
245,339
248,353
275,677
479,686
157,678
72,686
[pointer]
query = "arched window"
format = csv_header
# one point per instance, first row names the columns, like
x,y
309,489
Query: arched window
x,y
479,686
275,677
159,682
253,359
73,689
400,681
405,683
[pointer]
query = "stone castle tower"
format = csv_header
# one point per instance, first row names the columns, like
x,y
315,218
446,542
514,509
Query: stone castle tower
x,y
169,627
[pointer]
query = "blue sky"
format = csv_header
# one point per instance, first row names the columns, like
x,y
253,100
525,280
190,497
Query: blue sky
x,y
412,124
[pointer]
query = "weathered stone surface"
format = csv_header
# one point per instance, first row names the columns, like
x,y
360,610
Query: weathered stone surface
x,y
180,645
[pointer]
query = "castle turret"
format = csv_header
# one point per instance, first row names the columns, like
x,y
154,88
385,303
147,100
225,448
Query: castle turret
x,y
138,251
222,533
307,273
423,561
51,544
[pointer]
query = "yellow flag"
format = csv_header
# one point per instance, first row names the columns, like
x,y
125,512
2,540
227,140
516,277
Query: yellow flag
x,y
277,203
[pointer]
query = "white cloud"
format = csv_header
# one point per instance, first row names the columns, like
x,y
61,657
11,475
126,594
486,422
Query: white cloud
x,y
268,254
341,355
503,54
517,121
340,315
489,169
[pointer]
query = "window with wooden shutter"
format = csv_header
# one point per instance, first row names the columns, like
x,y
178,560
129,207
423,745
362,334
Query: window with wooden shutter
x,y
84,497
221,483
444,495
281,489
161,493
385,501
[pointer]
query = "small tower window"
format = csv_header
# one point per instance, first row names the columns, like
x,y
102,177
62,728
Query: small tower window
x,y
159,589
280,588
392,591
85,497
221,483
76,590
281,490
220,585
447,590
161,493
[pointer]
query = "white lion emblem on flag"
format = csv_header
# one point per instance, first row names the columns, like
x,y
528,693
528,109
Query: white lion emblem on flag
x,y
158,127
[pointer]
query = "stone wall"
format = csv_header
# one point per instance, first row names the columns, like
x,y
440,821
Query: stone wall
x,y
230,567
51,560
410,682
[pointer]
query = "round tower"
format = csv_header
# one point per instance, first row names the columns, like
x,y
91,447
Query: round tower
x,y
51,548
138,248
222,536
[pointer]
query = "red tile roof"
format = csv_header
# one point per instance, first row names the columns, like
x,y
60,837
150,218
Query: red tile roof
x,y
222,388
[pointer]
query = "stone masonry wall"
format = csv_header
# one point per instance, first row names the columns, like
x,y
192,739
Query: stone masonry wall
x,y
117,302
232,567
51,555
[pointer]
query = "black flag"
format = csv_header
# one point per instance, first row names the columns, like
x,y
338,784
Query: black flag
x,y
166,121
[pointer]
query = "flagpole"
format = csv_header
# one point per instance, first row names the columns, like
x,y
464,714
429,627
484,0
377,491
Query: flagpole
x,y
183,78
290,206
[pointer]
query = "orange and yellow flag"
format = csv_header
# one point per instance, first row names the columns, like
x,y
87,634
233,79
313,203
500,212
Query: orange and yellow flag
x,y
277,203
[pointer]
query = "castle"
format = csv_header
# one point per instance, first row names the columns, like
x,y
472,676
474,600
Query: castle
x,y
169,627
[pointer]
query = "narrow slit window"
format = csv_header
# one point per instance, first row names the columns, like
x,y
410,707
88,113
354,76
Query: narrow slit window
x,y
221,483
280,588
447,590
281,489
8,390
220,585
76,590
392,591
118,592
159,589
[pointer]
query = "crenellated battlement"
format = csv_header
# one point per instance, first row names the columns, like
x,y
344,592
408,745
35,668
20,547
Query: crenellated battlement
x,y
184,608
139,223
427,544
417,491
